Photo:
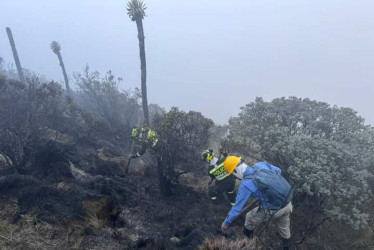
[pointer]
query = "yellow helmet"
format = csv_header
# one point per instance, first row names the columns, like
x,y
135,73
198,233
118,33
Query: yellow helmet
x,y
207,155
230,163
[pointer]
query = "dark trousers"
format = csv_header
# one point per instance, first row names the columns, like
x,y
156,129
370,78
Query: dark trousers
x,y
225,186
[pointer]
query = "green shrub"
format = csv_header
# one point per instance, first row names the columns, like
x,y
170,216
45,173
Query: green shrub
x,y
102,98
326,152
182,138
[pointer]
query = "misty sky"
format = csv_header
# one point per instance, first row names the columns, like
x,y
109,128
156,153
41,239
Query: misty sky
x,y
208,56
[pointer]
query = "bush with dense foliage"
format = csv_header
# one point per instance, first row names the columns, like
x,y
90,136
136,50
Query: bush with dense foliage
x,y
102,97
27,111
35,116
182,138
326,152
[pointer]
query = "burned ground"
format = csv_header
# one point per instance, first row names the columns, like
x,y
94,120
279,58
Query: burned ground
x,y
79,197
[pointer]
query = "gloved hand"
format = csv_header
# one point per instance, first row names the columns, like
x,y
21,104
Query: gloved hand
x,y
220,150
224,226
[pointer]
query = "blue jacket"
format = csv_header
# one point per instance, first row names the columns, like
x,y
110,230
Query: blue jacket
x,y
248,189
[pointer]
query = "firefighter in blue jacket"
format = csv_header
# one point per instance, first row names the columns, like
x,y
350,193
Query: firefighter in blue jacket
x,y
277,209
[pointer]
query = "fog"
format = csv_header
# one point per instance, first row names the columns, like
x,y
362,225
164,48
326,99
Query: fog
x,y
212,57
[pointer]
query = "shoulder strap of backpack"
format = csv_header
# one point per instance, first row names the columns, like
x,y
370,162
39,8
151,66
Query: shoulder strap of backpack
x,y
251,176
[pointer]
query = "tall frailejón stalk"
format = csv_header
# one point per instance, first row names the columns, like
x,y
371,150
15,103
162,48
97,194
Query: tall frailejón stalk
x,y
15,54
136,11
56,48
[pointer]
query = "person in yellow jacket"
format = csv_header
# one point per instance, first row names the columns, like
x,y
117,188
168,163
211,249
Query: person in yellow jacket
x,y
224,183
147,138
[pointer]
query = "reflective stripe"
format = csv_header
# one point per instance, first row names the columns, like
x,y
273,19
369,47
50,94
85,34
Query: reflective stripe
x,y
219,172
232,203
213,198
233,191
216,167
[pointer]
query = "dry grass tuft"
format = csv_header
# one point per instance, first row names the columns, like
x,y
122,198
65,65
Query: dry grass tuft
x,y
78,243
29,232
98,212
94,221
221,243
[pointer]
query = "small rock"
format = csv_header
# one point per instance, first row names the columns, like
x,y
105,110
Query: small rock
x,y
6,164
78,173
63,186
174,240
119,234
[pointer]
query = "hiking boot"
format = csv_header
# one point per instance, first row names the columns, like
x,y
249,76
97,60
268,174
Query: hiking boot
x,y
286,244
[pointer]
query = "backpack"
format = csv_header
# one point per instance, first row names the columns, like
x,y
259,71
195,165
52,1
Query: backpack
x,y
273,187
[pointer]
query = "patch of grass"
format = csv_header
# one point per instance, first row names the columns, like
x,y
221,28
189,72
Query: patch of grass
x,y
7,210
221,243
98,212
94,221
31,233
77,244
